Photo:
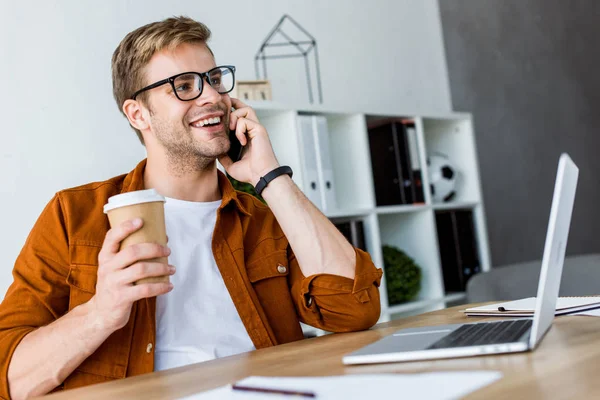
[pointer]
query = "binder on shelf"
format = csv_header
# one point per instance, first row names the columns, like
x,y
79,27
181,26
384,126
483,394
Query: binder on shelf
x,y
391,157
458,248
324,164
316,161
386,174
354,231
308,156
403,159
416,175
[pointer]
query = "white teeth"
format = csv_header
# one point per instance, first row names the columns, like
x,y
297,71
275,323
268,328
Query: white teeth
x,y
207,121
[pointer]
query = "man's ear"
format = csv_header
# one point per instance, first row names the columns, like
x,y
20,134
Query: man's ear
x,y
134,112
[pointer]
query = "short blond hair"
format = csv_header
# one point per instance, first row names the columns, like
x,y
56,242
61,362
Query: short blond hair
x,y
137,48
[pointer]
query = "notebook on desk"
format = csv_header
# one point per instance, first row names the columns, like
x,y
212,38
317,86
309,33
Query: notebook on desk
x,y
495,337
526,307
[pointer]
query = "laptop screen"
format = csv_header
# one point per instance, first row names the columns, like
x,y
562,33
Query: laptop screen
x,y
555,247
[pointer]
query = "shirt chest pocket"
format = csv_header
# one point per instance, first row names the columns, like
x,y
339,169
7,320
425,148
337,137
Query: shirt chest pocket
x,y
274,265
268,276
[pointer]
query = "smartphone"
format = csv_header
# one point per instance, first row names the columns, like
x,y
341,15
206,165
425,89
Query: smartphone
x,y
236,148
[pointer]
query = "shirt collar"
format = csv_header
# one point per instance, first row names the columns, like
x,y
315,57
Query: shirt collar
x,y
135,181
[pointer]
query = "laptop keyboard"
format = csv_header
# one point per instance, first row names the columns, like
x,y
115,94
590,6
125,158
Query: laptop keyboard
x,y
484,333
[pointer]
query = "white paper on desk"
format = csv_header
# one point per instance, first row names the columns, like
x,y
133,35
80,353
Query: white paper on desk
x,y
526,307
433,385
590,313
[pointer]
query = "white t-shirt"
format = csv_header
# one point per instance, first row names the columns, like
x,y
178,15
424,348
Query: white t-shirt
x,y
197,320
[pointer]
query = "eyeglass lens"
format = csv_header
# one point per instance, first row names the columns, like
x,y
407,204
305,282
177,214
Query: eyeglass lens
x,y
189,86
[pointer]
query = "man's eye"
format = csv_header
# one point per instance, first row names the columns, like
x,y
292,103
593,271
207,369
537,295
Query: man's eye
x,y
184,87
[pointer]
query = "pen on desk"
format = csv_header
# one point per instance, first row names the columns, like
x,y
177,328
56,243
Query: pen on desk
x,y
274,391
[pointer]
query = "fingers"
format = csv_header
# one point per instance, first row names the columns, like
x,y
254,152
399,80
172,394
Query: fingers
x,y
240,133
137,252
234,121
242,111
246,126
141,270
114,237
245,112
237,103
137,292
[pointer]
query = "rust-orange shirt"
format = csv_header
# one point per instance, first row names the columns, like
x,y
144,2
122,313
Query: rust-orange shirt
x,y
57,269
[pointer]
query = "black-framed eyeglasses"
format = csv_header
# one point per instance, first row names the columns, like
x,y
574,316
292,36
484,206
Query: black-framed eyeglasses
x,y
188,85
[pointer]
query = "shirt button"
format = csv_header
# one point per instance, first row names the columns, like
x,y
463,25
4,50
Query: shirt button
x,y
149,348
281,269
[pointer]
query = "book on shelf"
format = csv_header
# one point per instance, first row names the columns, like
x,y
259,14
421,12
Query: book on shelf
x,y
459,253
386,174
353,230
403,161
413,145
395,162
526,307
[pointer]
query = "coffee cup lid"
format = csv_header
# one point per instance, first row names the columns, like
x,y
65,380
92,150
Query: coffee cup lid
x,y
131,198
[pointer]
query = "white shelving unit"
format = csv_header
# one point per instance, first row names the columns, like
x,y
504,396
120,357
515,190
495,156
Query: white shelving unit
x,y
411,228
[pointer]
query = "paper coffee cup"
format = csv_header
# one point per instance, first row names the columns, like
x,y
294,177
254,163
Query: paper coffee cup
x,y
150,207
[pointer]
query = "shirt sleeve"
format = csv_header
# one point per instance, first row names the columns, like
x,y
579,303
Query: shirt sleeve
x,y
39,293
335,303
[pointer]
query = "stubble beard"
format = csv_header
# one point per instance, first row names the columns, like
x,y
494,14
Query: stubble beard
x,y
184,153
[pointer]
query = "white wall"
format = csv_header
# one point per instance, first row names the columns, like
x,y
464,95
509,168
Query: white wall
x,y
60,127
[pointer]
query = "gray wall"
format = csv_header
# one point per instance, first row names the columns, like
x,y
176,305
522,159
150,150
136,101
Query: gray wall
x,y
529,71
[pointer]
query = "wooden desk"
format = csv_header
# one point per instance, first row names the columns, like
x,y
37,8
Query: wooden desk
x,y
563,366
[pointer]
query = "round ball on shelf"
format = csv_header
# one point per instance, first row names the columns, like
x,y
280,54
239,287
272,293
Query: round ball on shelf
x,y
442,177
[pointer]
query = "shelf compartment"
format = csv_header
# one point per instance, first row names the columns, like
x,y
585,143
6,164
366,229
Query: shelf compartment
x,y
415,234
454,138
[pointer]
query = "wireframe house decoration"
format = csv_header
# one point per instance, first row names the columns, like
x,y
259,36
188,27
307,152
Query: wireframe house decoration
x,y
279,44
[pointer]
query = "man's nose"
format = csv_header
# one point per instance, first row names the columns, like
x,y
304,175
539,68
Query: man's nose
x,y
209,95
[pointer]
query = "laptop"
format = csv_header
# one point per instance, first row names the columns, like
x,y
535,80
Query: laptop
x,y
495,337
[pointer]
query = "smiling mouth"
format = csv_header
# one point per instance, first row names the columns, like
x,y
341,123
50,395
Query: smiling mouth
x,y
206,122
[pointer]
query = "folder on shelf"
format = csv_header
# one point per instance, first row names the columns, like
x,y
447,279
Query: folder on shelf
x,y
353,230
324,164
526,307
413,151
311,184
387,177
458,248
404,162
395,160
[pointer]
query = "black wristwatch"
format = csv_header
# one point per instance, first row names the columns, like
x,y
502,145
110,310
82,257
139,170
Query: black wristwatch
x,y
264,181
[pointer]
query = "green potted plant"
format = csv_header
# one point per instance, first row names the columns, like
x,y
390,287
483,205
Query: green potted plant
x,y
402,275
244,187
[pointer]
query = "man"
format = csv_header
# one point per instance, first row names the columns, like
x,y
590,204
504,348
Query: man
x,y
246,273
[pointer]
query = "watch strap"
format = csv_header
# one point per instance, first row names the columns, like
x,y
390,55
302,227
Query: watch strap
x,y
264,181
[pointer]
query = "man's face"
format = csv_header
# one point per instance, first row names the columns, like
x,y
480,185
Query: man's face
x,y
179,126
